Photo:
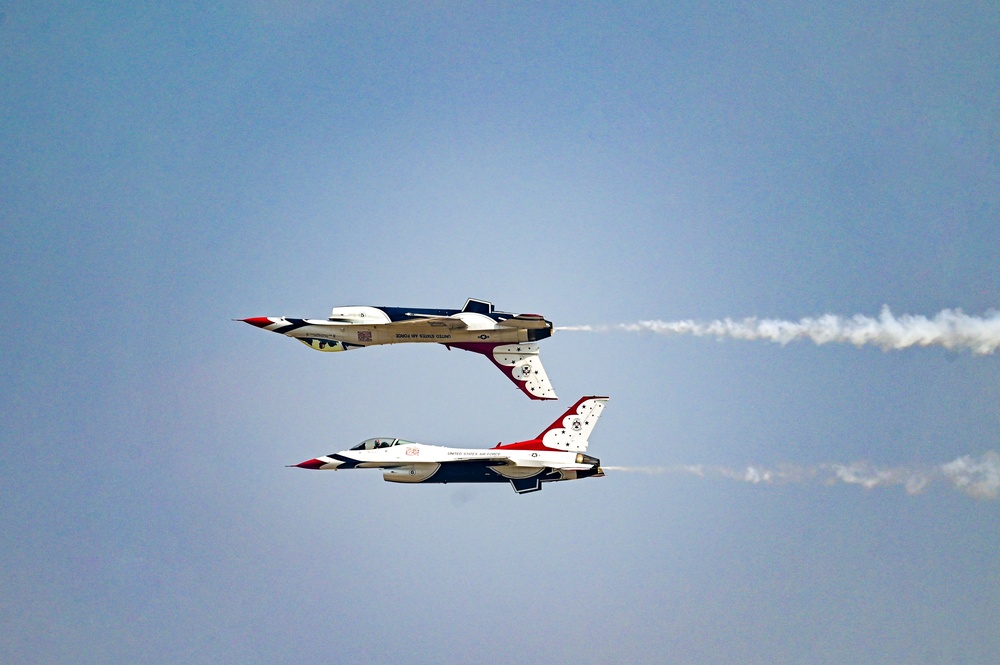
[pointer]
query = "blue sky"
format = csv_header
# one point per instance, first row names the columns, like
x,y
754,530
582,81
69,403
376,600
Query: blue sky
x,y
168,169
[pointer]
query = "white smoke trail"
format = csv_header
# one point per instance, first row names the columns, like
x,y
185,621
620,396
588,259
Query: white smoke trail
x,y
950,328
977,478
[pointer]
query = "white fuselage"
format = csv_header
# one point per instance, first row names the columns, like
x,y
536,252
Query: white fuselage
x,y
341,336
406,452
409,462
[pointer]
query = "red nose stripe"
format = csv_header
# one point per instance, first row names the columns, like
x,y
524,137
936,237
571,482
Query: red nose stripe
x,y
310,464
259,321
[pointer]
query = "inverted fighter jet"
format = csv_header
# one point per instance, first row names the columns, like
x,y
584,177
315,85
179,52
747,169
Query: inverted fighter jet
x,y
506,339
558,453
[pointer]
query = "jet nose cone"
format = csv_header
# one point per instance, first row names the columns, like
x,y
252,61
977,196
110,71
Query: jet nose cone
x,y
310,464
259,321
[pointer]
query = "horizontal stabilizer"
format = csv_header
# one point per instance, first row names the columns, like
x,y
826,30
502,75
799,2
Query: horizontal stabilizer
x,y
525,485
478,306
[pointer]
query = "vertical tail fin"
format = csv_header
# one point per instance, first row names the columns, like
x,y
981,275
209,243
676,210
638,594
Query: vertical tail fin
x,y
519,362
572,429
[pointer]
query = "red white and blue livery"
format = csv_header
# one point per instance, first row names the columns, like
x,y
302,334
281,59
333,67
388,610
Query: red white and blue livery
x,y
506,339
558,453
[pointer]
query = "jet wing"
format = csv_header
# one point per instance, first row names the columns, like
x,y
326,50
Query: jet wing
x,y
500,463
488,461
538,464
435,321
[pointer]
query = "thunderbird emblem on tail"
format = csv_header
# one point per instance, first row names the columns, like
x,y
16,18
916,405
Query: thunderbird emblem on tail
x,y
506,339
558,453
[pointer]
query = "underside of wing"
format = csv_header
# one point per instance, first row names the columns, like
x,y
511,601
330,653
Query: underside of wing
x,y
535,464
433,321
522,463
506,466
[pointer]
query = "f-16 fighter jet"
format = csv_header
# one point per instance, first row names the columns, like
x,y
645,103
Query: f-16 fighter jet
x,y
558,453
506,339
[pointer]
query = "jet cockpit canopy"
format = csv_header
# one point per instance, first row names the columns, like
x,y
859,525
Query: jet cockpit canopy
x,y
380,442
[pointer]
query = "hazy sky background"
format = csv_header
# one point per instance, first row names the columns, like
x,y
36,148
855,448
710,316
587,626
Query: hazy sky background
x,y
164,170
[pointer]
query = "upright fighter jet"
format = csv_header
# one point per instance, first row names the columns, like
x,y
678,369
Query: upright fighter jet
x,y
558,453
505,338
